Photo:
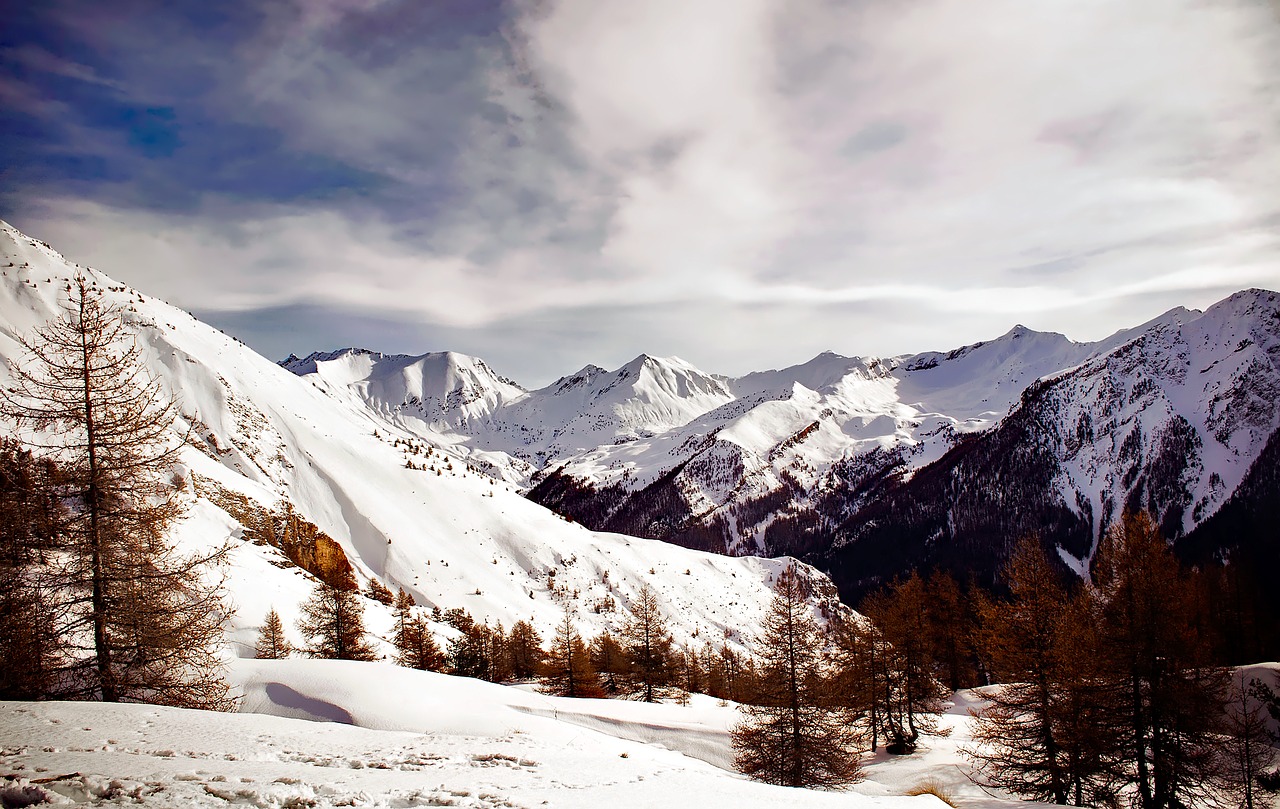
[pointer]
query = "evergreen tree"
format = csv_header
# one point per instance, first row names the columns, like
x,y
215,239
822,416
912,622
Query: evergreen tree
x,y
142,622
333,622
648,647
793,733
567,671
272,643
480,651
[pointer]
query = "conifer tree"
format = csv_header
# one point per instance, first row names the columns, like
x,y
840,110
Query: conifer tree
x,y
714,679
1045,734
567,671
403,605
143,621
470,654
648,647
499,653
793,733
333,622
1247,753
416,647
29,513
379,593
950,630
911,698
525,650
272,643
420,650
1170,699
609,660
690,679
739,674
864,680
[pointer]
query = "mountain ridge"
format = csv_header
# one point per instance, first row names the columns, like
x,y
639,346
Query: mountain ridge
x,y
410,514
788,459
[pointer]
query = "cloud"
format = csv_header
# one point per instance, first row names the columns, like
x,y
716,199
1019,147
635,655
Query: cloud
x,y
661,176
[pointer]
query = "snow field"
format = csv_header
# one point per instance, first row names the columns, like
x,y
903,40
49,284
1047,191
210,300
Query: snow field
x,y
407,738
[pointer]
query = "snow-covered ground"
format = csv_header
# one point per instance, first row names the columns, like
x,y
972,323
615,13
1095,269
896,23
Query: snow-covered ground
x,y
391,737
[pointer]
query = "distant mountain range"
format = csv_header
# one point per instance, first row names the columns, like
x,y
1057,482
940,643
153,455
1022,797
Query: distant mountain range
x,y
415,514
864,467
870,466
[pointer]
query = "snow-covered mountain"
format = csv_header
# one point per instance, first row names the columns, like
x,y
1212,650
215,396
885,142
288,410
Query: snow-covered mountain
x,y
718,442
1172,420
1168,415
411,514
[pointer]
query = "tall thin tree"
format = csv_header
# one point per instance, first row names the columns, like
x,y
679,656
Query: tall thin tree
x,y
794,731
1045,734
1171,700
272,643
648,647
910,695
567,671
153,622
333,622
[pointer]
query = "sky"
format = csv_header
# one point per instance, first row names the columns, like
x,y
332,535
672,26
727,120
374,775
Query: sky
x,y
741,183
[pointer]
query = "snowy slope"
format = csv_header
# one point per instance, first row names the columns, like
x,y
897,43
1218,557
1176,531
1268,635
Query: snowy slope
x,y
457,400
1172,420
391,737
659,448
449,536
444,390
1169,422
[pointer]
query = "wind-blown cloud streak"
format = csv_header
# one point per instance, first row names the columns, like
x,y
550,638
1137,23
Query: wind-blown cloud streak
x,y
740,182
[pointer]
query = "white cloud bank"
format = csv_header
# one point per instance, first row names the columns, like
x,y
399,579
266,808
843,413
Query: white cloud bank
x,y
871,176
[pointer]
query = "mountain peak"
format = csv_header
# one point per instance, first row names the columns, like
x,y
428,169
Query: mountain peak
x,y
1248,300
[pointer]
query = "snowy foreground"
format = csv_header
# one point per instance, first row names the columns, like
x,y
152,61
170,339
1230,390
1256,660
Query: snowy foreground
x,y
384,736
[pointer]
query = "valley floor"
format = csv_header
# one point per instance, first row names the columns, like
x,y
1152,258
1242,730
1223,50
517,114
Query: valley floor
x,y
398,738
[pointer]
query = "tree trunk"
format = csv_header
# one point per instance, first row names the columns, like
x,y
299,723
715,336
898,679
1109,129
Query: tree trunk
x,y
101,644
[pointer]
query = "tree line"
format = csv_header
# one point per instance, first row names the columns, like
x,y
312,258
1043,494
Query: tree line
x,y
638,661
1109,690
